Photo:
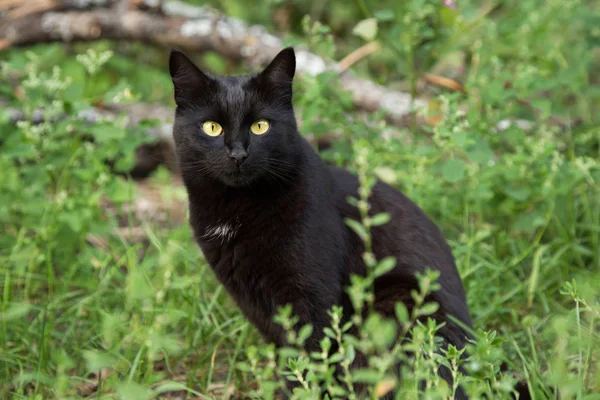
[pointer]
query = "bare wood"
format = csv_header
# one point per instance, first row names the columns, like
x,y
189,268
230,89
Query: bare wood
x,y
5,44
358,55
444,82
27,8
191,28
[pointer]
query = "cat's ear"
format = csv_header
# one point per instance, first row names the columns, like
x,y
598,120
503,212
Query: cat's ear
x,y
282,69
189,82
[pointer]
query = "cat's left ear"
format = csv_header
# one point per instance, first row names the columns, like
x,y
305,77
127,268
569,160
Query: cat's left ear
x,y
189,82
282,69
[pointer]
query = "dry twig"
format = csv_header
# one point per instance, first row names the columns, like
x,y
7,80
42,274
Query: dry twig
x,y
357,55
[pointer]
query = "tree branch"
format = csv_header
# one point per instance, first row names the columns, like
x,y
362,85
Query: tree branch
x,y
180,25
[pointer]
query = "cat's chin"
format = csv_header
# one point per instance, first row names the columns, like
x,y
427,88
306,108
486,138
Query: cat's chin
x,y
237,180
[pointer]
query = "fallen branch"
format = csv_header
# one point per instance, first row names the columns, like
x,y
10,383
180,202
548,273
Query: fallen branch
x,y
177,24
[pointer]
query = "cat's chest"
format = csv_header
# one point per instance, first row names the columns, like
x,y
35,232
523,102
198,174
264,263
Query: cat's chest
x,y
252,266
220,231
253,248
240,249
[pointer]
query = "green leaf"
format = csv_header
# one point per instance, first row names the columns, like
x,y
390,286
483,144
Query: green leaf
x,y
402,313
72,220
518,193
133,391
385,265
329,332
106,132
529,221
288,352
305,332
243,366
544,105
452,352
15,311
461,139
169,387
110,328
350,353
97,360
481,153
428,309
126,162
358,228
366,29
384,15
367,375
325,344
384,387
337,391
380,219
454,170
448,16
381,331
347,326
386,174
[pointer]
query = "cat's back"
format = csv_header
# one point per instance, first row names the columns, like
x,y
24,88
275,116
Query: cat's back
x,y
410,233
411,237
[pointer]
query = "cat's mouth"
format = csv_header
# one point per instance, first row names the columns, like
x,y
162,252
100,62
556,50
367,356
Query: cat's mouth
x,y
239,176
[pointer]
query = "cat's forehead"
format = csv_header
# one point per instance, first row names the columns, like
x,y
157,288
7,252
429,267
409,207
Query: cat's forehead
x,y
234,90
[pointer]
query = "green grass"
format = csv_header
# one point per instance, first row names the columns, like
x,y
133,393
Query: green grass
x,y
150,312
100,301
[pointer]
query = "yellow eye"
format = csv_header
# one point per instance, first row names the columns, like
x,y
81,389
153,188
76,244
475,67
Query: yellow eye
x,y
211,128
259,127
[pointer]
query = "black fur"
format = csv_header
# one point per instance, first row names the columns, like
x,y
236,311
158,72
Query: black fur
x,y
285,208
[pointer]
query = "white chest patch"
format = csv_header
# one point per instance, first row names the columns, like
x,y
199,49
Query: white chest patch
x,y
224,232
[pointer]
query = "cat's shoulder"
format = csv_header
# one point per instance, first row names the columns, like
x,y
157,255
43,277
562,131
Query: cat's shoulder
x,y
348,183
344,179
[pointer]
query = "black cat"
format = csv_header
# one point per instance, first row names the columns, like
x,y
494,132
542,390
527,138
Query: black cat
x,y
268,214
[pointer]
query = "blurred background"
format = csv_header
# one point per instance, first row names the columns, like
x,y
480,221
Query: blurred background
x,y
485,113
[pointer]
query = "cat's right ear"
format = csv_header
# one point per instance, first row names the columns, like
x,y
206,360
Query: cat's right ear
x,y
189,82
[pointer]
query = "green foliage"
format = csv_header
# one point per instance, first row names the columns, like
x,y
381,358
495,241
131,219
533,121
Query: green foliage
x,y
76,294
85,308
64,165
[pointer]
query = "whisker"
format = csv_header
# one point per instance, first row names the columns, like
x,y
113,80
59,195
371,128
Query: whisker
x,y
278,176
276,161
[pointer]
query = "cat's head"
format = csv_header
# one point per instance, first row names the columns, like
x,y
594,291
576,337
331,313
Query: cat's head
x,y
235,130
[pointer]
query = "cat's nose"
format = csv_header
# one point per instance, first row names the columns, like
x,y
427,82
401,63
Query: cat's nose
x,y
238,155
